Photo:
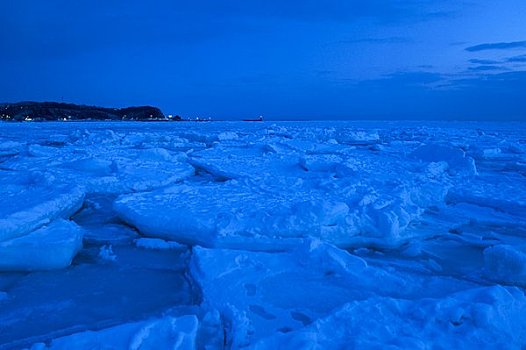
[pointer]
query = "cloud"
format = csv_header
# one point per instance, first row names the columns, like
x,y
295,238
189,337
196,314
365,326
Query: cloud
x,y
405,80
497,46
419,95
517,59
36,30
508,83
483,62
486,68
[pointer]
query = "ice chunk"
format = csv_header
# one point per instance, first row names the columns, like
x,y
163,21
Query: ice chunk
x,y
227,136
516,148
27,207
261,294
122,174
158,154
505,263
382,219
308,147
455,157
503,193
166,333
217,214
106,253
108,167
214,214
435,170
491,152
484,318
242,286
330,164
253,161
91,166
201,137
358,137
157,244
144,176
50,247
170,220
95,137
10,148
42,151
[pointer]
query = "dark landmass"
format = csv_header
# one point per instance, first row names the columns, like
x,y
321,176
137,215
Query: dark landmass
x,y
259,119
55,111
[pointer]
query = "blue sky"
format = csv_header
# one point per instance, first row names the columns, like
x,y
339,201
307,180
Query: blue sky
x,y
232,59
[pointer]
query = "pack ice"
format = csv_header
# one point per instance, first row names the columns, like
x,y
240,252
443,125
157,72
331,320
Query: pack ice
x,y
230,235
32,234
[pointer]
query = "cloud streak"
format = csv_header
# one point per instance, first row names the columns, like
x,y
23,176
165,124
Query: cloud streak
x,y
486,68
497,46
517,59
483,62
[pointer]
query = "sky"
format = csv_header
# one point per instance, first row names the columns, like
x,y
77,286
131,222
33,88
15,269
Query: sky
x,y
294,59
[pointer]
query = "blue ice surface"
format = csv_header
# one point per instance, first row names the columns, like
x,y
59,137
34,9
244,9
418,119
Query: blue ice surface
x,y
231,235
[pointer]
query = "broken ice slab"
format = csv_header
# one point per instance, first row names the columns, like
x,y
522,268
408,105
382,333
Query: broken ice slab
x,y
479,318
506,264
164,333
458,162
158,244
49,247
10,148
260,293
250,161
271,212
122,172
503,193
28,202
146,176
110,170
216,214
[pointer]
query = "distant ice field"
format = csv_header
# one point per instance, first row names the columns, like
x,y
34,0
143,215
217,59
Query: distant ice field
x,y
262,235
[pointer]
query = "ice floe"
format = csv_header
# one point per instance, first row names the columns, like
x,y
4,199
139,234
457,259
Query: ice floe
x,y
27,203
49,247
165,333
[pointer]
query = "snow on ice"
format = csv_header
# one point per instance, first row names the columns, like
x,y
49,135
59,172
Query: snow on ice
x,y
49,247
230,235
165,333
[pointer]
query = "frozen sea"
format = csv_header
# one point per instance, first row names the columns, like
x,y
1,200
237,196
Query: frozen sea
x,y
266,235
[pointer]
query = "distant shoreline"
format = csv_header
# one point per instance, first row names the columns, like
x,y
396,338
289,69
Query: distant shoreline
x,y
57,111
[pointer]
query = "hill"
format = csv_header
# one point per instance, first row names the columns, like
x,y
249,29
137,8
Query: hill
x,y
53,111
